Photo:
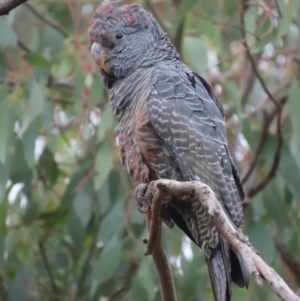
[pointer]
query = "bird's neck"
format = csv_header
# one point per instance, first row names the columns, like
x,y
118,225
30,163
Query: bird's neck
x,y
126,92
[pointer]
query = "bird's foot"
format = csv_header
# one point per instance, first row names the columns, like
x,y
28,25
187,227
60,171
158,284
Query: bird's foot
x,y
141,200
143,197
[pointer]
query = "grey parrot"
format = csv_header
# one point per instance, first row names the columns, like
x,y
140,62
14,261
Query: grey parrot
x,y
170,126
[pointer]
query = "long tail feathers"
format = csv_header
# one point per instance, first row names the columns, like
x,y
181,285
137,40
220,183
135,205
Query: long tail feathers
x,y
225,265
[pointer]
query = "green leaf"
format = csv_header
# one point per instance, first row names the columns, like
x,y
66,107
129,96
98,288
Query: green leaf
x,y
2,251
184,6
104,164
76,232
211,32
8,36
196,52
97,91
32,211
5,130
107,263
250,24
3,210
35,59
29,138
19,170
261,239
71,189
294,107
83,207
52,38
107,123
145,277
48,168
19,288
78,87
36,99
289,171
284,22
25,120
233,95
276,207
111,222
192,276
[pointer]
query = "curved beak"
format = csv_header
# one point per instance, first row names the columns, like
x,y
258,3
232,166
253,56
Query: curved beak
x,y
100,56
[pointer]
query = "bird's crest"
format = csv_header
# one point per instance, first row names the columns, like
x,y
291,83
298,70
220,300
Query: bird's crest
x,y
130,15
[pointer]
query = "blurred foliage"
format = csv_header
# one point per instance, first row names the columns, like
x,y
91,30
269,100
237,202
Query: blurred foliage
x,y
68,227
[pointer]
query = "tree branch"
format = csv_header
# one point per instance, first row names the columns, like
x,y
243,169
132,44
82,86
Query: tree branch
x,y
7,6
254,190
156,249
256,266
48,269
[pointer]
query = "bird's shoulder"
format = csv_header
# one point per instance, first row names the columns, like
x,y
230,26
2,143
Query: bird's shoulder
x,y
176,89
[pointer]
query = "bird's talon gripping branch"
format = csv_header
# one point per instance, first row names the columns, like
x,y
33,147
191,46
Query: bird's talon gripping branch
x,y
141,201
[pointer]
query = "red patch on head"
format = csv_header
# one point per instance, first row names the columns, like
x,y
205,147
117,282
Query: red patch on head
x,y
130,19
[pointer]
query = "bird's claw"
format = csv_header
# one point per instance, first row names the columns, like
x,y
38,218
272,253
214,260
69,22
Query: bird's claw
x,y
140,200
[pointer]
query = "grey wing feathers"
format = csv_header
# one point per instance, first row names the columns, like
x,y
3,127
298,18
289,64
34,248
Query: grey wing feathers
x,y
187,116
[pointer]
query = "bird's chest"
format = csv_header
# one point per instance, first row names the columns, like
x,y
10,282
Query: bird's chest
x,y
142,151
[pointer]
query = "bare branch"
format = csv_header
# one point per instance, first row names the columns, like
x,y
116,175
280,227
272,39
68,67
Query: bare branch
x,y
167,286
7,6
256,266
156,249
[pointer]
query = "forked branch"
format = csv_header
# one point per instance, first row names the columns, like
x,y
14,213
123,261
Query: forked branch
x,y
256,266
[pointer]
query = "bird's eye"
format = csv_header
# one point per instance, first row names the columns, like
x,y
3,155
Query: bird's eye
x,y
119,36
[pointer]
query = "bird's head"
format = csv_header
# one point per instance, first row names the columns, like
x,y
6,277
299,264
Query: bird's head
x,y
121,38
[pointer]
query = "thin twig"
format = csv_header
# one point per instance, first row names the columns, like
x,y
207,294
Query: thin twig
x,y
155,224
253,191
225,24
7,6
47,20
252,61
124,285
24,46
254,263
48,269
268,118
162,265
248,88
292,261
